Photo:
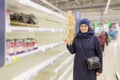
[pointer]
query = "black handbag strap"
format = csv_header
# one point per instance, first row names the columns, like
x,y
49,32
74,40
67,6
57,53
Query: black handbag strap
x,y
82,50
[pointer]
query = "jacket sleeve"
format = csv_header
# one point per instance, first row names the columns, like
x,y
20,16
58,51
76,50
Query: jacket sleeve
x,y
71,47
98,51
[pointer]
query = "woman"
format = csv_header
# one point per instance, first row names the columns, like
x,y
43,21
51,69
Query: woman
x,y
103,39
90,46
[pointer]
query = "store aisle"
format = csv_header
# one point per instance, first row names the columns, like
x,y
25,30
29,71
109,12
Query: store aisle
x,y
111,61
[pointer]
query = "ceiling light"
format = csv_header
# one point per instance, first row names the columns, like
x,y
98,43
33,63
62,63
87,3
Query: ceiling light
x,y
107,6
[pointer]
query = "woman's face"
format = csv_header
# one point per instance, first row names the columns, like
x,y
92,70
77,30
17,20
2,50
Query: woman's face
x,y
84,28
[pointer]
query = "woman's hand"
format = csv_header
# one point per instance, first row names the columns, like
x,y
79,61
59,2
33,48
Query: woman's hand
x,y
98,74
67,41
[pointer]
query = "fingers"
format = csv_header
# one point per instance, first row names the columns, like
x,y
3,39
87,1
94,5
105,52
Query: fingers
x,y
98,74
67,41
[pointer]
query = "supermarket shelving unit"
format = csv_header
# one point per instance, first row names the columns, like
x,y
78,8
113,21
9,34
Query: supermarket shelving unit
x,y
49,32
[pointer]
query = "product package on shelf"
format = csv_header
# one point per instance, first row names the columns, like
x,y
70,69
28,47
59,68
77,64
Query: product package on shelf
x,y
19,46
71,26
70,35
10,47
30,44
34,44
23,19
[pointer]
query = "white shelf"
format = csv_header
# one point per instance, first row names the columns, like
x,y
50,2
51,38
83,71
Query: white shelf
x,y
41,8
118,75
31,73
29,29
60,67
41,48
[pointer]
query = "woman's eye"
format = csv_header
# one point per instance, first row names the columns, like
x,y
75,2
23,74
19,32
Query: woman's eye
x,y
81,26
